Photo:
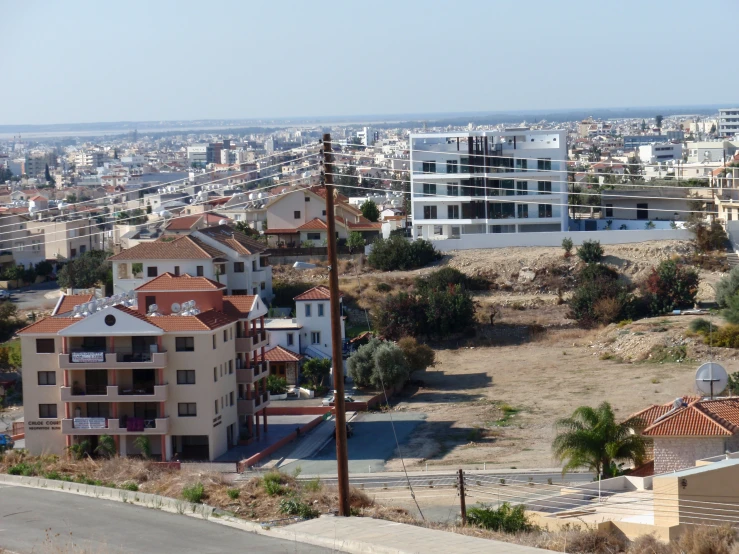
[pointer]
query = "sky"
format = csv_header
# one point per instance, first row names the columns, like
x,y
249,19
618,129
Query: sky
x,y
89,61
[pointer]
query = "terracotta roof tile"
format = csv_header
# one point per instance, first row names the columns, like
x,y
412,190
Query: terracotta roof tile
x,y
321,292
281,232
691,421
239,305
181,248
205,321
168,282
69,301
279,354
314,224
48,325
233,239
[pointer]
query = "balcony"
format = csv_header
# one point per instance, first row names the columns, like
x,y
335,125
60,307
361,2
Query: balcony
x,y
106,426
251,341
251,373
249,406
114,393
113,360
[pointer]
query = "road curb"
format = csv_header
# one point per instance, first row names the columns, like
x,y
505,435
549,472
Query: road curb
x,y
201,511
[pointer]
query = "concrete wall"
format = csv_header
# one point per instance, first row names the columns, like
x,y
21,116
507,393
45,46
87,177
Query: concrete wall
x,y
503,240
675,453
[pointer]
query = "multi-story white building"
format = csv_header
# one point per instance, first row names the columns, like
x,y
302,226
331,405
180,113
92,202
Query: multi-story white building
x,y
488,182
660,152
175,361
728,121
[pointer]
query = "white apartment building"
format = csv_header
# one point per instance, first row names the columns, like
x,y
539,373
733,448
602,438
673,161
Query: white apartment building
x,y
728,121
660,152
488,182
313,322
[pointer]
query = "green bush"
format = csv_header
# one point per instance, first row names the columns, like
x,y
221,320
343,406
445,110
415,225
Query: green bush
x,y
506,519
23,468
54,475
670,286
396,253
600,298
276,385
194,493
294,507
272,482
701,326
567,246
727,287
726,336
233,494
130,486
590,252
383,287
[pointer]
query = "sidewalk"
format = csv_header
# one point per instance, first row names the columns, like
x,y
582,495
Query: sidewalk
x,y
313,441
363,534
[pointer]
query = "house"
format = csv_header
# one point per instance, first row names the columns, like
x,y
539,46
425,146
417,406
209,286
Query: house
x,y
220,253
314,318
174,360
184,225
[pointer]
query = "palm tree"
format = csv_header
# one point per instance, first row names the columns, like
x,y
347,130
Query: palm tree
x,y
591,437
106,446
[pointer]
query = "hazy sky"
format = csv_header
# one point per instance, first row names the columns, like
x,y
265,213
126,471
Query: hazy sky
x,y
85,61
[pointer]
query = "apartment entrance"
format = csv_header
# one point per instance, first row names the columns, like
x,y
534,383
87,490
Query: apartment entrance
x,y
191,447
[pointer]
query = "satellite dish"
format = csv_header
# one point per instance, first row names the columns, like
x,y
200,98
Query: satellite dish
x,y
711,379
223,222
176,308
153,308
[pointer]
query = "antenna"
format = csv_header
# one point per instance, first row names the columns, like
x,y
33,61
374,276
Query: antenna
x,y
176,308
711,377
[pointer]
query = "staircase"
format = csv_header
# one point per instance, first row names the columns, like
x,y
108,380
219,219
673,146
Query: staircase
x,y
733,259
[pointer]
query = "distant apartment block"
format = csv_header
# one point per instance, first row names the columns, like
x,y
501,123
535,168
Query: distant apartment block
x,y
633,142
478,183
660,152
728,121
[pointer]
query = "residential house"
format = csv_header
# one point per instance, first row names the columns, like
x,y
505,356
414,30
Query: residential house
x,y
313,316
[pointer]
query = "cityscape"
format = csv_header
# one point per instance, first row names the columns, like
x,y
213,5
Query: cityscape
x,y
367,313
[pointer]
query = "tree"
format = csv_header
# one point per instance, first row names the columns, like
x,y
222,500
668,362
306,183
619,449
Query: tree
x,y
670,286
276,384
397,253
727,287
370,210
711,238
106,446
14,273
71,198
390,366
86,271
47,174
658,120
418,357
315,370
44,268
401,315
567,246
713,129
731,313
361,364
590,252
449,311
143,443
591,437
243,227
355,241
600,297
634,169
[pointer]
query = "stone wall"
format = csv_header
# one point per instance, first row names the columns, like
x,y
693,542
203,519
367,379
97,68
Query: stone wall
x,y
674,453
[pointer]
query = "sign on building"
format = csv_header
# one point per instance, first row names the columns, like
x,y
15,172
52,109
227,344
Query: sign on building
x,y
90,423
88,357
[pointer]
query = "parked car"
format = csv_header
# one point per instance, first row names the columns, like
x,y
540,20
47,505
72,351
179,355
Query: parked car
x,y
4,294
329,400
6,443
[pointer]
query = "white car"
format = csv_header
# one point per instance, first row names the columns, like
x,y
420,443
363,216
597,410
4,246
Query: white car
x,y
4,294
329,400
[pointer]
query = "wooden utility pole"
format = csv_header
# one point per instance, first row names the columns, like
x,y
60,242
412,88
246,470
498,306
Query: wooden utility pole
x,y
342,458
462,503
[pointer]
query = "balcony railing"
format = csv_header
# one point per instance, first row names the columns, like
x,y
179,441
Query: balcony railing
x,y
117,426
113,393
117,359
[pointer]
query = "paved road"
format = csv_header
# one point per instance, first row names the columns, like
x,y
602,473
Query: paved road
x,y
35,298
33,520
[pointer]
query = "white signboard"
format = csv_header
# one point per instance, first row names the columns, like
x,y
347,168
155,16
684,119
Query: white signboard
x,y
88,357
90,423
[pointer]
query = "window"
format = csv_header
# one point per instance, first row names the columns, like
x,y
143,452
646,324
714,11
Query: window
x,y
429,167
507,186
522,164
216,406
523,210
184,344
429,212
642,211
307,310
545,187
452,166
83,249
199,271
72,252
214,342
452,212
215,374
290,339
187,409
177,270
315,337
262,285
47,411
225,335
238,267
609,210
230,367
185,376
544,164
522,188
323,212
429,188
47,378
149,300
452,190
45,346
320,310
231,398
313,236
223,401
151,271
296,214
545,210
307,198
253,265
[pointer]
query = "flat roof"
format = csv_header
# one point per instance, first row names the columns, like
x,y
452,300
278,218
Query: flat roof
x,y
702,469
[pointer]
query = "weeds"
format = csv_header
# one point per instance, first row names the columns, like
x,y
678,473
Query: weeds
x,y
233,494
194,493
507,518
294,507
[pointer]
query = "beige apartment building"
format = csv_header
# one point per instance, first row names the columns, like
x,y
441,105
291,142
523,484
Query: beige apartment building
x,y
175,361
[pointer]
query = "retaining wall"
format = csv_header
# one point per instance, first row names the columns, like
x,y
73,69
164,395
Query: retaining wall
x,y
256,458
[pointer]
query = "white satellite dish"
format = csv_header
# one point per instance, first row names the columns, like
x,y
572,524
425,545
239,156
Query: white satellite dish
x,y
223,222
153,308
711,379
176,308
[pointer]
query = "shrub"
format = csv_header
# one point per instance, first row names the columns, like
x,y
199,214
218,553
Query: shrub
x,y
400,315
449,311
602,299
591,272
506,518
361,364
590,252
567,246
670,286
418,357
233,494
131,486
23,468
441,279
710,238
315,370
272,482
294,507
649,544
397,253
727,287
383,287
355,241
106,446
276,384
726,336
390,366
54,475
596,541
707,539
143,443
702,326
194,493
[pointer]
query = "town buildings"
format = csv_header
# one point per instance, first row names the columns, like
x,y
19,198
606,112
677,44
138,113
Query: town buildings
x,y
175,361
486,183
660,152
728,121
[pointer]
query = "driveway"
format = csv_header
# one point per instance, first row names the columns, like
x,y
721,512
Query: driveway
x,y
41,297
35,520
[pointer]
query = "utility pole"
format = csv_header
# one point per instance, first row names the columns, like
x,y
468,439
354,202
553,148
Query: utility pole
x,y
342,458
462,503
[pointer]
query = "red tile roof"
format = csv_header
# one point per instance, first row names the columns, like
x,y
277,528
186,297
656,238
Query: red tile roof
x,y
181,248
233,239
169,282
279,354
48,325
707,418
239,305
314,224
69,301
321,292
205,321
281,232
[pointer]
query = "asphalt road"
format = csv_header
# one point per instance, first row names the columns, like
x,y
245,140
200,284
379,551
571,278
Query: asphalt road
x,y
34,298
33,520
